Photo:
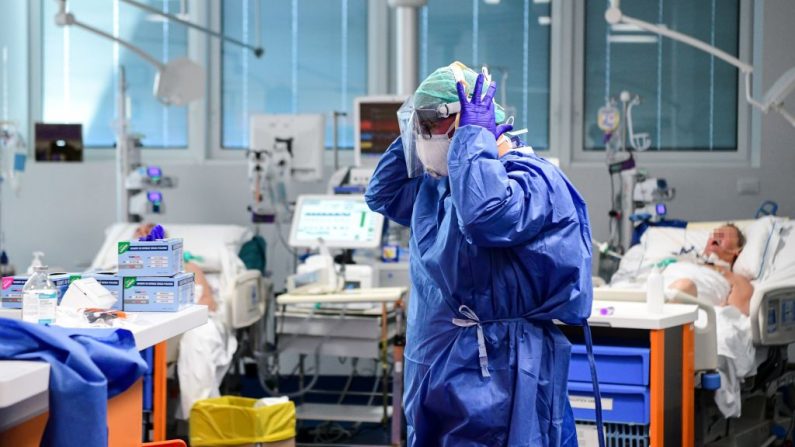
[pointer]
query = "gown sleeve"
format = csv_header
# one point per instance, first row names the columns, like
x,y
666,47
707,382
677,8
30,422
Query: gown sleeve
x,y
498,204
391,192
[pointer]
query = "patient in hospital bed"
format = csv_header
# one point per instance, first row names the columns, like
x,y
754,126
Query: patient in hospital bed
x,y
709,276
721,267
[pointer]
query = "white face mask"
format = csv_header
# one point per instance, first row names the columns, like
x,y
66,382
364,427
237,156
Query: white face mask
x,y
433,152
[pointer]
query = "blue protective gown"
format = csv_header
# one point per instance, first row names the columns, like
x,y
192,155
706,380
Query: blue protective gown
x,y
506,242
87,367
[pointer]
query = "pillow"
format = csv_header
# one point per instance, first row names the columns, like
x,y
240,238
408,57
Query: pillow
x,y
663,242
207,242
752,261
782,251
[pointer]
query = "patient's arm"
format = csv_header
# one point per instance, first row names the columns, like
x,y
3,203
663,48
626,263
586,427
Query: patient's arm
x,y
685,285
741,292
207,292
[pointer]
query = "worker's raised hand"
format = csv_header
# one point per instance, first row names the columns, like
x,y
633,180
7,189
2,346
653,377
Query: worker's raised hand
x,y
480,110
502,128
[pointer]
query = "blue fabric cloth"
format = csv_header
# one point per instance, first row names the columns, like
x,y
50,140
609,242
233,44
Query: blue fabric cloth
x,y
87,367
502,246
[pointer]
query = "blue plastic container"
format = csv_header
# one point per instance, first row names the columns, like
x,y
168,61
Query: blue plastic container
x,y
616,365
620,403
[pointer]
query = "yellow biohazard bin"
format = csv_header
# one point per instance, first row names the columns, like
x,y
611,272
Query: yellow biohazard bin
x,y
234,421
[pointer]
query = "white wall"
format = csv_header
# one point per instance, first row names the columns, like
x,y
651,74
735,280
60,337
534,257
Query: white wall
x,y
63,209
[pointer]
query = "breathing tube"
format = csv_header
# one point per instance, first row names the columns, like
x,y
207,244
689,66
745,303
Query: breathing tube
x,y
595,381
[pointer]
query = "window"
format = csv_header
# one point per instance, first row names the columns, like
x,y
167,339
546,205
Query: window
x,y
80,71
688,97
314,62
511,37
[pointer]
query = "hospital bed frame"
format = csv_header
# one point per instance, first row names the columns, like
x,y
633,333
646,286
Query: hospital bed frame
x,y
760,393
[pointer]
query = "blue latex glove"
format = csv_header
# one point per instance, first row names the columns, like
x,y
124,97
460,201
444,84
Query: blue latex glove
x,y
480,111
157,233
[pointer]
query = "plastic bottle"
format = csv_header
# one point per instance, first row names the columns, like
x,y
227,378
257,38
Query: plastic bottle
x,y
655,295
39,298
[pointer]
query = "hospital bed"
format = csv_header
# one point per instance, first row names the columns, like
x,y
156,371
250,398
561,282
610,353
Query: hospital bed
x,y
241,296
749,354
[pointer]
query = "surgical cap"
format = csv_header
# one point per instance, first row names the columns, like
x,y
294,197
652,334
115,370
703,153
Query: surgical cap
x,y
439,88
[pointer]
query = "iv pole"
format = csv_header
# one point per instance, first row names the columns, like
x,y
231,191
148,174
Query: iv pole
x,y
124,141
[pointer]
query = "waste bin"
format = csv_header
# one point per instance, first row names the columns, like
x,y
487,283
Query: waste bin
x,y
234,421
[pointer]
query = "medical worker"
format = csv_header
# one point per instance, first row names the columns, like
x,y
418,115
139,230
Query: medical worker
x,y
500,247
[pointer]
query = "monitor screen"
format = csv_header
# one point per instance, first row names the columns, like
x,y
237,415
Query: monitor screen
x,y
300,136
376,126
59,142
340,221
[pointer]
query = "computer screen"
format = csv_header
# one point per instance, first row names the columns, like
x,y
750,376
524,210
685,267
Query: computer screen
x,y
300,135
343,221
59,142
376,126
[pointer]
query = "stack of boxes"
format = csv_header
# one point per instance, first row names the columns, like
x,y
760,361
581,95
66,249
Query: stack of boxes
x,y
151,276
150,279
11,293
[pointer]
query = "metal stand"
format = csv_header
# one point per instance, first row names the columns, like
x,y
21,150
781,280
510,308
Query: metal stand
x,y
337,116
123,143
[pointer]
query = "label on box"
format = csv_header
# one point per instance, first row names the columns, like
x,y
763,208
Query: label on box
x,y
589,403
587,435
158,294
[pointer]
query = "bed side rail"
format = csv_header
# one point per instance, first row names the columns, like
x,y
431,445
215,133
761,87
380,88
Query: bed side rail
x,y
706,338
772,314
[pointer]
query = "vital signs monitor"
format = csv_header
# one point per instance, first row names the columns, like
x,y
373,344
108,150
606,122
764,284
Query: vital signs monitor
x,y
340,221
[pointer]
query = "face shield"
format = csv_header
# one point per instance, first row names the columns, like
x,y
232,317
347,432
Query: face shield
x,y
421,125
431,113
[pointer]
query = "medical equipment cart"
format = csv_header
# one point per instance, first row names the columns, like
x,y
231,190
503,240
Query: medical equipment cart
x,y
363,335
645,368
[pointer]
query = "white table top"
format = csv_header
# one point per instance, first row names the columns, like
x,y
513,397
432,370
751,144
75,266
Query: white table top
x,y
377,295
22,382
23,391
158,326
633,315
151,327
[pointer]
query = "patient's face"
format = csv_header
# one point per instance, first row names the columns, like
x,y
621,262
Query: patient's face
x,y
143,230
724,243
